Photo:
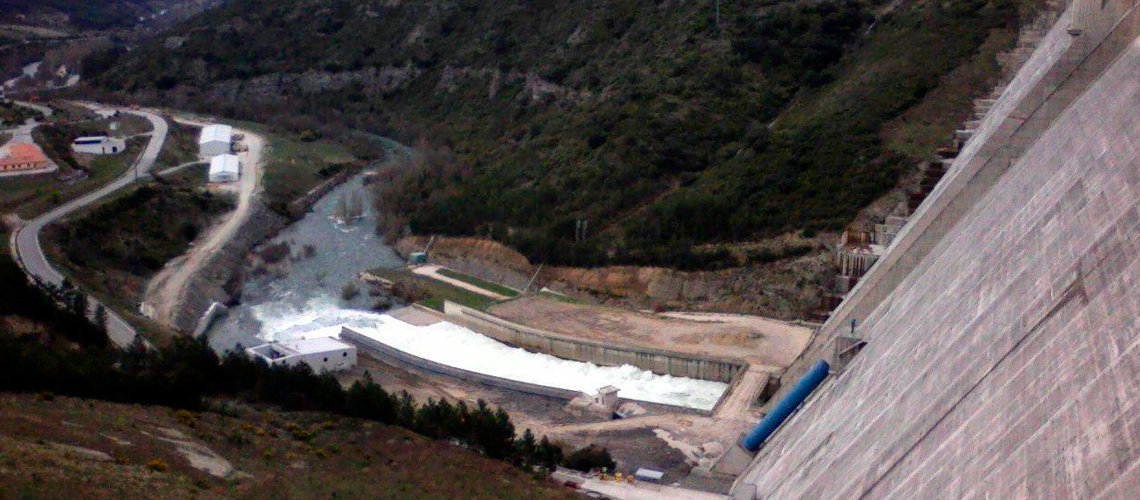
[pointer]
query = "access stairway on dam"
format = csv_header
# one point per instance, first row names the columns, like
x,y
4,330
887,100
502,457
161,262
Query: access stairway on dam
x,y
859,249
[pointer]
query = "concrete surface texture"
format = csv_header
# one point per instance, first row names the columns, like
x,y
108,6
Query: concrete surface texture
x,y
749,338
1007,365
600,352
1058,72
645,491
26,242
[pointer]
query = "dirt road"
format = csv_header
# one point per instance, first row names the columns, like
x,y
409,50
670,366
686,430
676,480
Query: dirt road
x,y
433,271
167,290
759,341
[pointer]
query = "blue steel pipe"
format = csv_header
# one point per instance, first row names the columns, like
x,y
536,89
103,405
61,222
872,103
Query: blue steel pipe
x,y
786,406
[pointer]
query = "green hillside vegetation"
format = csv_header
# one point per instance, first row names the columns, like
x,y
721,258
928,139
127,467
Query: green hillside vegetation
x,y
30,312
662,129
111,250
137,233
12,115
352,443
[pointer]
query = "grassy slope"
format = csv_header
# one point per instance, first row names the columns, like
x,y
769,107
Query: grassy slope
x,y
479,282
181,145
293,167
112,249
343,458
437,291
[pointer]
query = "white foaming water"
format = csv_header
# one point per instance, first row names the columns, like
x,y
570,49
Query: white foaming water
x,y
460,347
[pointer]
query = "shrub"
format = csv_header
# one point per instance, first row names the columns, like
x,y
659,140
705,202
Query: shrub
x,y
349,292
589,458
157,465
275,253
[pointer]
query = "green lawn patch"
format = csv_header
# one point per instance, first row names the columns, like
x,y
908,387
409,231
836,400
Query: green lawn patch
x,y
181,145
481,283
294,167
437,291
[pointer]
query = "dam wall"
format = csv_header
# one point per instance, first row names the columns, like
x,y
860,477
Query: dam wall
x,y
533,339
397,357
1060,70
1007,364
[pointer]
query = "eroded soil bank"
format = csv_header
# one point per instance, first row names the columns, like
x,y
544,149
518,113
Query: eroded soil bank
x,y
788,289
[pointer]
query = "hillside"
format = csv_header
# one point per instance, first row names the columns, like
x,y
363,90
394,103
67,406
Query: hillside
x,y
95,14
198,426
74,448
662,129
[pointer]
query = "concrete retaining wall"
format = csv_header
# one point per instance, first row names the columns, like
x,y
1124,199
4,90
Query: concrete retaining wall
x,y
397,357
533,339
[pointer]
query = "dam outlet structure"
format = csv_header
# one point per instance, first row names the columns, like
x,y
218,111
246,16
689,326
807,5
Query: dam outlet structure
x,y
792,400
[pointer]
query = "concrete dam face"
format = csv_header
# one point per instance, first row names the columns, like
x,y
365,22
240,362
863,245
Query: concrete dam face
x,y
1005,362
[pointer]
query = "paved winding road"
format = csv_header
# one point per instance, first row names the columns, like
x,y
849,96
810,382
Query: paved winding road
x,y
30,254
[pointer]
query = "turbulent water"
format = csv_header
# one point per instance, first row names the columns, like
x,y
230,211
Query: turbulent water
x,y
307,303
460,347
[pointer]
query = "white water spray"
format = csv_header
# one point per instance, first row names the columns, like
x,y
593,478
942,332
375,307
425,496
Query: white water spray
x,y
460,347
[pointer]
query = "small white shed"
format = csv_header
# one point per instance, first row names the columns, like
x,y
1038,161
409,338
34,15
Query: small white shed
x,y
98,145
215,140
224,168
322,354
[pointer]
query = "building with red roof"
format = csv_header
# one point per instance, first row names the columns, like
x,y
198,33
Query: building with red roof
x,y
21,156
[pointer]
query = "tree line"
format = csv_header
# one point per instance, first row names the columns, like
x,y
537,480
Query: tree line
x,y
187,372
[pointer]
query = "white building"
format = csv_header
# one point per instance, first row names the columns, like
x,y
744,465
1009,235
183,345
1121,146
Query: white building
x,y
224,168
322,354
99,145
215,140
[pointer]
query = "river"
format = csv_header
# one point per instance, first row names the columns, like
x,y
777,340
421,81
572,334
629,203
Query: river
x,y
306,302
